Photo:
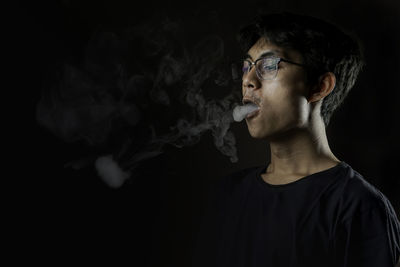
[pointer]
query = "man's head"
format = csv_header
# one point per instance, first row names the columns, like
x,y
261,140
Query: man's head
x,y
328,63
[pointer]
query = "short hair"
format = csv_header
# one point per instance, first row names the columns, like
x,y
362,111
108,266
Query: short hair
x,y
323,46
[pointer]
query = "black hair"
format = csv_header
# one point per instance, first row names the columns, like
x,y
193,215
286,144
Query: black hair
x,y
324,48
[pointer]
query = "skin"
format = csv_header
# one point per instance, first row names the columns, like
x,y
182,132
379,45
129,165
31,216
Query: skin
x,y
289,117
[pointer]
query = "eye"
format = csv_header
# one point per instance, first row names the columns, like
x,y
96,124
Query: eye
x,y
269,64
269,67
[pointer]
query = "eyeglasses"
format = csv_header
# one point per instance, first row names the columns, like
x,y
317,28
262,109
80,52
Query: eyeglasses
x,y
266,68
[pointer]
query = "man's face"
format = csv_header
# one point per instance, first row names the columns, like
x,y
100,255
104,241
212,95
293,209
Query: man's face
x,y
282,101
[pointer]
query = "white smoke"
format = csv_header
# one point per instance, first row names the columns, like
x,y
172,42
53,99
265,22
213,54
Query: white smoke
x,y
129,110
240,112
110,172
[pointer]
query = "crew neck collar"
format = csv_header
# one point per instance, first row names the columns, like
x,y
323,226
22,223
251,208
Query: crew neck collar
x,y
304,179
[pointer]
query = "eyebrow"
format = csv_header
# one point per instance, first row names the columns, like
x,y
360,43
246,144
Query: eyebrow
x,y
265,54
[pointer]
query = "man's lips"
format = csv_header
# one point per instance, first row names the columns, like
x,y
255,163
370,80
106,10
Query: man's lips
x,y
247,100
241,112
253,114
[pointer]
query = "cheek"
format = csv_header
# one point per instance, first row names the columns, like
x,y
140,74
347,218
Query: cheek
x,y
293,88
284,105
278,96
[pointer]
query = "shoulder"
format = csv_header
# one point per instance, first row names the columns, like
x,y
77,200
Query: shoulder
x,y
369,228
359,196
238,179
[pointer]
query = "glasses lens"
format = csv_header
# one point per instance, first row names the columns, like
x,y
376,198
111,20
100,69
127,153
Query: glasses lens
x,y
239,69
267,68
245,66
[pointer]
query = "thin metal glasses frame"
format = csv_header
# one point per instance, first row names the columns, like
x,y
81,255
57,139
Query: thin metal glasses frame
x,y
278,60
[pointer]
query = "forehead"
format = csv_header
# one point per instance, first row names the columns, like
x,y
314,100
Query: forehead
x,y
264,48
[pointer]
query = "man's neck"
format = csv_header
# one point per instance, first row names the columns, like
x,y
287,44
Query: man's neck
x,y
300,153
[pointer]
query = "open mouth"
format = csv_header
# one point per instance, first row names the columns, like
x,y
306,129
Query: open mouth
x,y
248,110
253,114
250,101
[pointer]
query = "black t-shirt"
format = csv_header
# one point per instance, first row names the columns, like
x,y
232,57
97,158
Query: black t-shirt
x,y
330,218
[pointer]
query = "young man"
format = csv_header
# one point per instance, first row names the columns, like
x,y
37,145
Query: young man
x,y
306,207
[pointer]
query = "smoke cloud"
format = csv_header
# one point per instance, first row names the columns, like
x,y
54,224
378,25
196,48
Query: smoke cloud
x,y
137,90
110,172
240,112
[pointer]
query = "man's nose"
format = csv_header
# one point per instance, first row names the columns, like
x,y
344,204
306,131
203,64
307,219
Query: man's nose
x,y
250,81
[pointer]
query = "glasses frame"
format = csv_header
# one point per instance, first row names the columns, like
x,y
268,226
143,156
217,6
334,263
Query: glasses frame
x,y
278,60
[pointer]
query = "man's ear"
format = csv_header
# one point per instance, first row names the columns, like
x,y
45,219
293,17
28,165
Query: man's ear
x,y
326,83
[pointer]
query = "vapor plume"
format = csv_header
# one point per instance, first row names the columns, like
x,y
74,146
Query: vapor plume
x,y
240,112
137,90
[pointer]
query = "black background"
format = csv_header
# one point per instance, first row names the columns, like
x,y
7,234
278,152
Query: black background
x,y
70,215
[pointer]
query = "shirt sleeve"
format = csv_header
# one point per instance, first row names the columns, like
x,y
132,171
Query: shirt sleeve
x,y
371,238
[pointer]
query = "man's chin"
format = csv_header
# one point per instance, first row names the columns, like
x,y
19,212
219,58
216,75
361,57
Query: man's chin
x,y
257,134
264,134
